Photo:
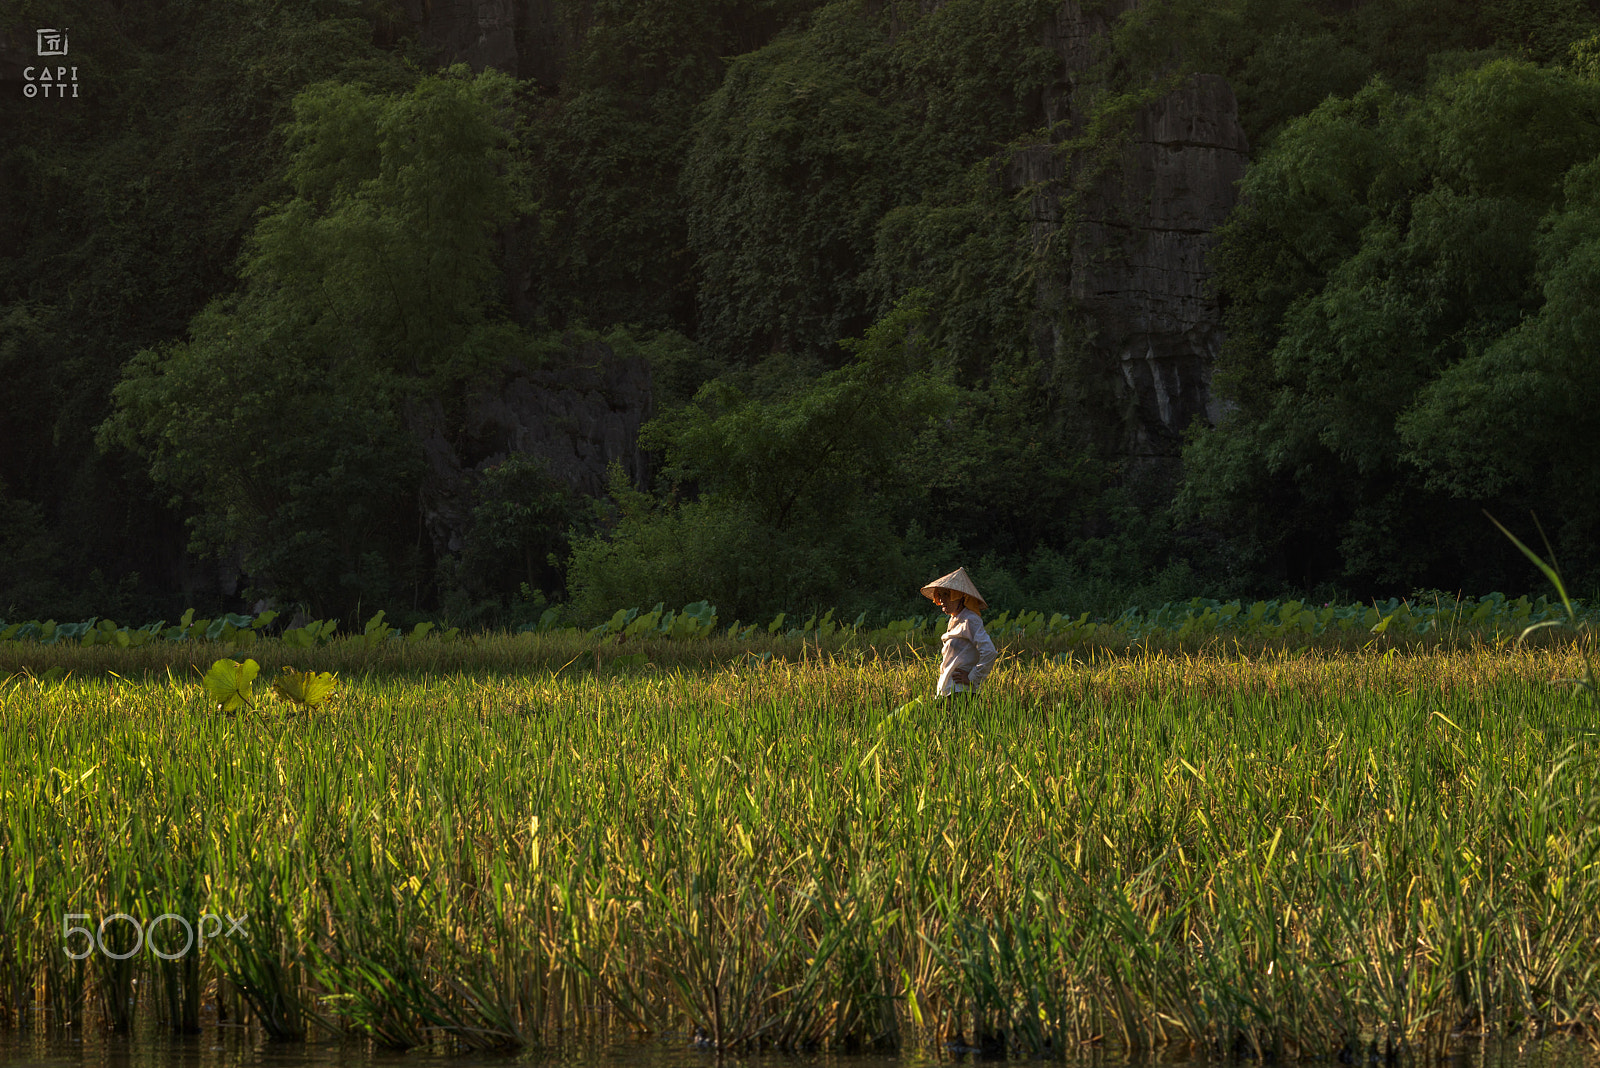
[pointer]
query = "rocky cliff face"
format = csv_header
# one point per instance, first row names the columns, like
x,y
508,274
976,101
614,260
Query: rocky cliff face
x,y
1125,319
577,412
479,33
521,37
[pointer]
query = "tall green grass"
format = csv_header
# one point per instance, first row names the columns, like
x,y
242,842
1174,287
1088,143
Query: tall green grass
x,y
1272,853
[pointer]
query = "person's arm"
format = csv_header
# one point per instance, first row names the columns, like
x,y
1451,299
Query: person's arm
x,y
986,653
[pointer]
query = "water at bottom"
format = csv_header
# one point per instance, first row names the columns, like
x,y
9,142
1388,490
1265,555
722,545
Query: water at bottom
x,y
235,1047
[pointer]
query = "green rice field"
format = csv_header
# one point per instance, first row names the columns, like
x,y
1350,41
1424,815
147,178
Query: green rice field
x,y
789,845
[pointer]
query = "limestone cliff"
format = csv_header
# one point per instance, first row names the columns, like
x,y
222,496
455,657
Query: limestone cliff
x,y
525,38
577,412
1125,318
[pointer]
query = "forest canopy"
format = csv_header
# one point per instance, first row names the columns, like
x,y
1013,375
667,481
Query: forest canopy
x,y
281,258
1410,296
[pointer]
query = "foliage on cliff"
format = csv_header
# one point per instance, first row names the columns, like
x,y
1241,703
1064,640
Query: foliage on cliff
x,y
609,240
801,486
735,188
808,145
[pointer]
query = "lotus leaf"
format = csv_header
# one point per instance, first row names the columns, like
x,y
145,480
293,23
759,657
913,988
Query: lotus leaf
x,y
231,684
305,688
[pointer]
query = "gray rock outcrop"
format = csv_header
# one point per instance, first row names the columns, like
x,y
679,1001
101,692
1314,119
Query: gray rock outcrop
x,y
1126,321
526,38
577,413
479,33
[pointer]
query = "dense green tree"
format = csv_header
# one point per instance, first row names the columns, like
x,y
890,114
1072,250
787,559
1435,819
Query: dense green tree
x,y
1519,420
121,216
785,493
292,416
1411,41
846,166
764,179
516,540
1384,242
810,143
794,164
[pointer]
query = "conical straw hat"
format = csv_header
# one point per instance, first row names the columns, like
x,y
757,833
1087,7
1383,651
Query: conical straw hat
x,y
959,581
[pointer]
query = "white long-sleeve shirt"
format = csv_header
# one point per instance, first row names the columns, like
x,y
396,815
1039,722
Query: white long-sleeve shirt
x,y
966,646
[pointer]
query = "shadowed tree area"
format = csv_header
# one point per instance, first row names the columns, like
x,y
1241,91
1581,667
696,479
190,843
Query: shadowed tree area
x,y
276,251
1408,321
292,415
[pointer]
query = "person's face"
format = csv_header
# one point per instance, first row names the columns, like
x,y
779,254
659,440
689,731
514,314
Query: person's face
x,y
949,601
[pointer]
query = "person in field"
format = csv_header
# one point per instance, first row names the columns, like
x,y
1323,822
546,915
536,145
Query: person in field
x,y
968,651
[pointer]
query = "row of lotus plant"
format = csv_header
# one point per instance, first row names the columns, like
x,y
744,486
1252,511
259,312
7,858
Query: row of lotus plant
x,y
230,628
1493,616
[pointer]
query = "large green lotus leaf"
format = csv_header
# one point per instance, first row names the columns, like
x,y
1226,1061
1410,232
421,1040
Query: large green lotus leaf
x,y
230,684
304,688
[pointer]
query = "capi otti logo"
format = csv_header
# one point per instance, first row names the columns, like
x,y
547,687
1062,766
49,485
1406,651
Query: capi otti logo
x,y
45,79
